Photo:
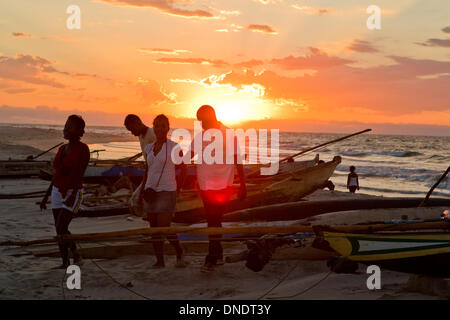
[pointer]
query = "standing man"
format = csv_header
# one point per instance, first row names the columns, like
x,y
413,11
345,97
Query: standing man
x,y
216,183
146,136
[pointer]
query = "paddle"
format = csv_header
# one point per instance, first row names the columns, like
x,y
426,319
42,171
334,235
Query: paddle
x,y
44,152
323,144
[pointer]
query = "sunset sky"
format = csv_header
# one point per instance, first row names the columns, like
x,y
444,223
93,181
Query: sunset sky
x,y
297,65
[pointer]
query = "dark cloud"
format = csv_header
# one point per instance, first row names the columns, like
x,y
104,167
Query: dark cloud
x,y
316,59
264,28
433,42
362,46
165,6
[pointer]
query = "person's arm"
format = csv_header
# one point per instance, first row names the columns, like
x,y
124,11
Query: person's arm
x,y
357,181
348,181
44,200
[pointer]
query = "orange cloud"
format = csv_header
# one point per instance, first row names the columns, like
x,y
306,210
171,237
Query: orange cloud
x,y
250,63
310,10
362,46
263,28
29,69
163,51
316,59
21,35
201,61
165,6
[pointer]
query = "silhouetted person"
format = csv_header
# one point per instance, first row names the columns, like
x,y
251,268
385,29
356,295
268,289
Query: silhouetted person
x,y
352,180
146,136
160,188
70,164
216,183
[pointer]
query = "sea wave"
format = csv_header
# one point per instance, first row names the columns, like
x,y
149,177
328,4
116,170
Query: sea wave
x,y
423,176
441,193
400,154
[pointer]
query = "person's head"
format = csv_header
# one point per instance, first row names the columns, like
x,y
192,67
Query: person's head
x,y
161,127
134,124
207,115
74,127
352,168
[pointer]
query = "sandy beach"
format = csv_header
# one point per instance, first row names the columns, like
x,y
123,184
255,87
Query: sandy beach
x,y
24,276
19,142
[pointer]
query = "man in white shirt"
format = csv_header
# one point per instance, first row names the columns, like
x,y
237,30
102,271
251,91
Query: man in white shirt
x,y
215,181
146,136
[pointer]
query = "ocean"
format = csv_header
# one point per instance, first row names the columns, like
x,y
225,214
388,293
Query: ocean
x,y
387,165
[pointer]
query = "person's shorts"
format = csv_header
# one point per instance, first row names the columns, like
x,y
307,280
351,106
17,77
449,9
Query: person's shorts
x,y
162,202
352,188
58,200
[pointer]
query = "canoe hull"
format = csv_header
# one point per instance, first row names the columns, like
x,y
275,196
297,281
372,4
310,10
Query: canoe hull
x,y
261,191
420,253
22,169
288,187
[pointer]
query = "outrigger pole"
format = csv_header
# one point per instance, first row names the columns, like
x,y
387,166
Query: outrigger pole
x,y
323,144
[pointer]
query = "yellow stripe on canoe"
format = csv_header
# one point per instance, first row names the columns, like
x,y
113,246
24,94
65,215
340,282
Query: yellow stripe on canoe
x,y
341,244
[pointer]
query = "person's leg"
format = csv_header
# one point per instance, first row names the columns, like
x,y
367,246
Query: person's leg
x,y
214,219
157,241
61,246
164,220
64,217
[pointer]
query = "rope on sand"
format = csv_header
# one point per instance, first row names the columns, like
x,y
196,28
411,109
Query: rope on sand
x,y
304,291
115,281
281,280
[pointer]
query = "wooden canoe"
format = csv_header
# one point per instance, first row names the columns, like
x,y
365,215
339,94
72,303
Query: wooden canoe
x,y
22,168
420,253
263,190
109,171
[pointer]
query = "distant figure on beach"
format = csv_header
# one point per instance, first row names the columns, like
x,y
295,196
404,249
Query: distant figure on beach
x,y
146,136
352,180
216,184
66,188
160,188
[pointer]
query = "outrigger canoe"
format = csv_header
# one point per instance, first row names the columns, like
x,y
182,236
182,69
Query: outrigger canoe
x,y
262,190
22,168
419,253
109,171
